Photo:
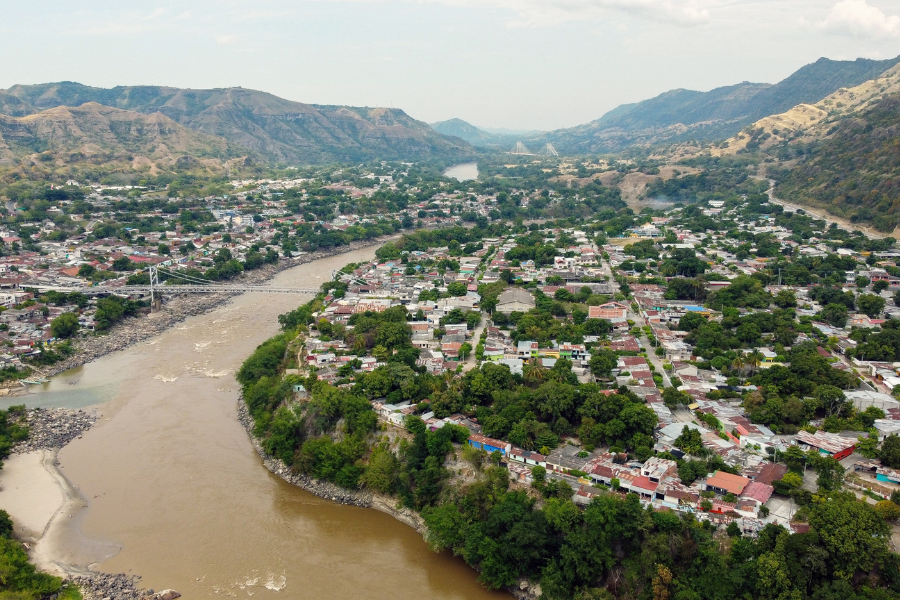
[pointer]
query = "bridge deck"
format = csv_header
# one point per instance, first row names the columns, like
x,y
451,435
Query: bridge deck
x,y
175,289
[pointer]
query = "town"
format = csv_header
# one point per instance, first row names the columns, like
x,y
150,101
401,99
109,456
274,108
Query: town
x,y
726,359
753,358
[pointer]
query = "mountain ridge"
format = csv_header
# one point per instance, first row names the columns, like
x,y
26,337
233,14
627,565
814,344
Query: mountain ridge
x,y
683,115
473,134
93,127
278,129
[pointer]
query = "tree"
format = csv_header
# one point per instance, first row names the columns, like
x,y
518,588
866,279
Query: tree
x,y
831,398
123,263
786,299
795,459
870,304
890,451
222,256
834,314
381,353
862,281
86,270
65,325
887,510
382,470
163,250
464,350
830,473
867,446
457,288
852,533
603,362
754,359
672,397
690,441
393,335
880,285
534,372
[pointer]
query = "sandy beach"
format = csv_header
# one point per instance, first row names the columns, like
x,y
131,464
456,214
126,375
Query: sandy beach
x,y
31,493
46,510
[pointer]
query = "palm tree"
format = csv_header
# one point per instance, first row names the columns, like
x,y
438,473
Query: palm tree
x,y
668,268
534,372
738,363
754,359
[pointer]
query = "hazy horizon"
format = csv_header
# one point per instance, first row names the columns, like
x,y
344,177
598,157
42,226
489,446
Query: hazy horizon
x,y
521,65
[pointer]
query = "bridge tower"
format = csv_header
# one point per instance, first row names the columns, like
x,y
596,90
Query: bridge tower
x,y
549,150
520,149
155,305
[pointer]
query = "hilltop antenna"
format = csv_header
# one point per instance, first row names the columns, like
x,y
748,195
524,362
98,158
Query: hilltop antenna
x,y
520,149
549,150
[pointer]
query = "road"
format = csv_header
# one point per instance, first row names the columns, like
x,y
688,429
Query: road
x,y
843,224
645,342
471,361
640,321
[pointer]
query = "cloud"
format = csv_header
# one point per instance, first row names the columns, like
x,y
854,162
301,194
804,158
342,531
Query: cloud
x,y
225,40
538,13
531,13
858,18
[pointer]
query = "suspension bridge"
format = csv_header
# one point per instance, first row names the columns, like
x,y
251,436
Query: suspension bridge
x,y
521,150
188,284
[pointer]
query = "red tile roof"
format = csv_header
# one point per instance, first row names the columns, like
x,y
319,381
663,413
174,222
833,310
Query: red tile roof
x,y
644,483
733,484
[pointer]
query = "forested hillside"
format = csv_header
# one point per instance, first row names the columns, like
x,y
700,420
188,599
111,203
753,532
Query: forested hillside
x,y
856,172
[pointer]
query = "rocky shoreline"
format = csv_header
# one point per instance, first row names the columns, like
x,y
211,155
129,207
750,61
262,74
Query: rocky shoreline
x,y
118,587
53,428
323,489
326,489
178,308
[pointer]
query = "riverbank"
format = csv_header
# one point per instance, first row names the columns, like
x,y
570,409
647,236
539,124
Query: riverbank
x,y
35,493
225,526
526,590
181,306
326,489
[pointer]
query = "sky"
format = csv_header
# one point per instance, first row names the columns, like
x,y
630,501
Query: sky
x,y
518,64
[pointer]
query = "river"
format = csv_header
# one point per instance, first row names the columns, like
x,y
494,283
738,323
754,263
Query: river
x,y
175,492
463,172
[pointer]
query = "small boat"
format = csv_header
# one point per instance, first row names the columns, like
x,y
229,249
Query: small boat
x,y
35,381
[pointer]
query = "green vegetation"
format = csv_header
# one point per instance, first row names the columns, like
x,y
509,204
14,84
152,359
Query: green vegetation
x,y
18,578
65,325
853,173
614,547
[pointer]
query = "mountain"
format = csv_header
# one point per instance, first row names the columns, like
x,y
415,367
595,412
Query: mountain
x,y
779,134
683,115
277,129
77,133
518,133
475,135
854,172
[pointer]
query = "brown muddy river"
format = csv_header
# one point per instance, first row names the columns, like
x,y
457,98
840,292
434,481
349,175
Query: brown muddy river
x,y
176,493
